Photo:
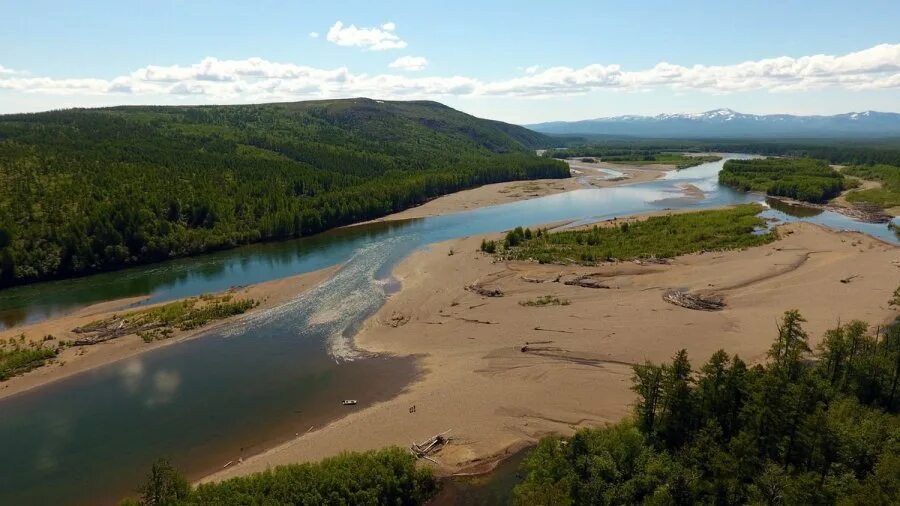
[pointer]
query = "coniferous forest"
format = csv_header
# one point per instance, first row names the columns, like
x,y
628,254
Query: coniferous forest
x,y
801,429
87,190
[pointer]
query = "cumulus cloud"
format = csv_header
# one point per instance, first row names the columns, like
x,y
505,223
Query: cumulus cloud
x,y
411,63
257,79
372,39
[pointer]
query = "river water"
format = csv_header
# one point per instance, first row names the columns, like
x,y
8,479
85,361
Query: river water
x,y
232,392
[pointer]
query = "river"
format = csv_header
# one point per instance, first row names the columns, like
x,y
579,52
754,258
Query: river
x,y
232,392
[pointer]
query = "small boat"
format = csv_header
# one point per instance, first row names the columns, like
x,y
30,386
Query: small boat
x,y
349,402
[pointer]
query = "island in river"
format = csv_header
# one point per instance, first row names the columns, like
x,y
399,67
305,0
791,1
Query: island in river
x,y
458,357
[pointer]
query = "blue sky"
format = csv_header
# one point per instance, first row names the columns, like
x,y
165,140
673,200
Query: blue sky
x,y
515,61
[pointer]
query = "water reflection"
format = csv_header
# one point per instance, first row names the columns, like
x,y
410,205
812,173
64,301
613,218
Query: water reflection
x,y
796,211
273,374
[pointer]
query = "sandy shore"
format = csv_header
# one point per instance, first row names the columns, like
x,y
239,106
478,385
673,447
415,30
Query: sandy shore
x,y
584,175
576,369
77,359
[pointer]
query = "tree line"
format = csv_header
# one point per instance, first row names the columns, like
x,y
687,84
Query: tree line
x,y
798,430
101,189
797,178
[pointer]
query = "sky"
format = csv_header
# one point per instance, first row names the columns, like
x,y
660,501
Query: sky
x,y
516,61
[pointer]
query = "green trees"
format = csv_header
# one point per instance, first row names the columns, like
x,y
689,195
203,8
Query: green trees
x,y
888,195
165,486
388,476
657,236
100,189
802,179
792,432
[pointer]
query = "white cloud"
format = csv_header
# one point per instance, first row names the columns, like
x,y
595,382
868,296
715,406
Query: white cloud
x,y
411,63
256,79
314,35
372,39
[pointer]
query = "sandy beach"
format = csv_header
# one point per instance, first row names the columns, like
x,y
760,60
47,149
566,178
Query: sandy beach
x,y
584,175
501,374
73,360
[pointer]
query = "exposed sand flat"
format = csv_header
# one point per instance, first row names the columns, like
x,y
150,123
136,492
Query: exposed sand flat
x,y
584,175
76,359
575,371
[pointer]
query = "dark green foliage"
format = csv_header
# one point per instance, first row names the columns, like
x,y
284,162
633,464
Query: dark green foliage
x,y
100,189
17,357
388,476
165,486
657,236
802,179
791,432
489,247
889,177
631,156
843,152
517,236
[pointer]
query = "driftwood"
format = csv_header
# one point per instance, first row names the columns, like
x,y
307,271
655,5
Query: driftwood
x,y
532,280
111,331
849,278
431,445
693,301
585,282
484,291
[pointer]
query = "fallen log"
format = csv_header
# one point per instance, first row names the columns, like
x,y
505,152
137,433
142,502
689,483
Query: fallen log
x,y
484,291
693,301
585,282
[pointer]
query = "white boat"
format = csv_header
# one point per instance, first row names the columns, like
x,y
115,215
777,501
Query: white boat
x,y
349,402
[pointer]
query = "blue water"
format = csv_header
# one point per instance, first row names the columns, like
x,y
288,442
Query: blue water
x,y
229,393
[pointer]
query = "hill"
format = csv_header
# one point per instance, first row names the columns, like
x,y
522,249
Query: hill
x,y
86,190
725,123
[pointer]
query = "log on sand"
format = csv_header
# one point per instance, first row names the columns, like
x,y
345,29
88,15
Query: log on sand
x,y
693,301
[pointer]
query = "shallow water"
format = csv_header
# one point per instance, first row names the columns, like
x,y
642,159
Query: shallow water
x,y
229,393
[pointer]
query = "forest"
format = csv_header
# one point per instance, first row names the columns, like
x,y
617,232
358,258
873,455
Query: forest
x,y
797,178
798,430
89,190
387,476
888,195
835,151
657,237
633,156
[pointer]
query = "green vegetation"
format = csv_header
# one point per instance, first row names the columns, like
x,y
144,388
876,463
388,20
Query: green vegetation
x,y
489,247
87,190
387,476
18,357
797,178
632,157
886,196
790,432
545,300
161,322
657,236
842,152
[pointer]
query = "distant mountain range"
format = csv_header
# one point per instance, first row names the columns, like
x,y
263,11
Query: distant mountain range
x,y
724,123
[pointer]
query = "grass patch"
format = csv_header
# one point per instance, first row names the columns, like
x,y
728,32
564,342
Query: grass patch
x,y
545,300
161,322
886,196
797,178
658,236
18,357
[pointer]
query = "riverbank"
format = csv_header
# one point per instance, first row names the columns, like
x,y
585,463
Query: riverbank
x,y
584,175
500,373
75,359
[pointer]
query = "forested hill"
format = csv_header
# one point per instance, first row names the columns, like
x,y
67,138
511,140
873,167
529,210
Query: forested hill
x,y
84,190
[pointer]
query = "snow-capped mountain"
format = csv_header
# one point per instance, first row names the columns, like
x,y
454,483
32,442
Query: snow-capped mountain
x,y
728,123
